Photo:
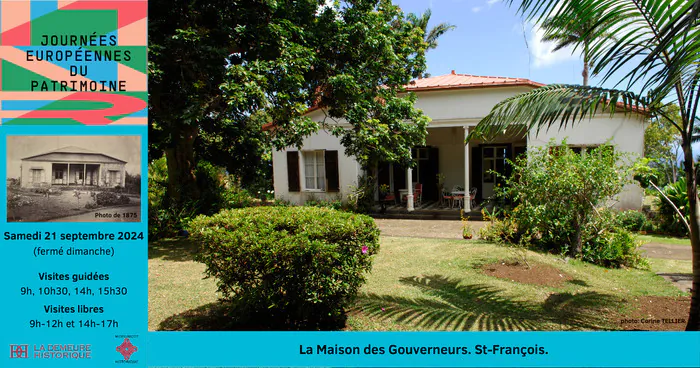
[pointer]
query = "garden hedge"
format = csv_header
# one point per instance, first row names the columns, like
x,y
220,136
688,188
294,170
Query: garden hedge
x,y
287,267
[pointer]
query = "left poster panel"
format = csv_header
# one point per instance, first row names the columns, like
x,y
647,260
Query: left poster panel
x,y
73,156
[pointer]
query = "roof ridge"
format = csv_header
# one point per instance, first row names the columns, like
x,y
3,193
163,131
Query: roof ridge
x,y
78,150
477,76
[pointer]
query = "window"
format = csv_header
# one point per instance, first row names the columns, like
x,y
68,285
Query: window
x,y
493,160
58,174
419,154
583,149
319,170
37,175
114,177
314,170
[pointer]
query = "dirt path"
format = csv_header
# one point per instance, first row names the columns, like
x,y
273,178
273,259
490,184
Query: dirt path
x,y
668,251
451,229
440,229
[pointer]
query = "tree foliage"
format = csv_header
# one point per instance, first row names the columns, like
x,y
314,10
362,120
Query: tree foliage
x,y
662,143
431,36
561,199
223,69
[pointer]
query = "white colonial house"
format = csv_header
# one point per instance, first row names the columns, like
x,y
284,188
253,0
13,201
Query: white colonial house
x,y
456,103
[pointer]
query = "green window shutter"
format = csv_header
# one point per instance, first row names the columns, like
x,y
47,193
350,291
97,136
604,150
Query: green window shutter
x,y
332,174
293,171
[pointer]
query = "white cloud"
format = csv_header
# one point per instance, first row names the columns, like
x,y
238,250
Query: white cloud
x,y
476,9
326,5
491,2
542,52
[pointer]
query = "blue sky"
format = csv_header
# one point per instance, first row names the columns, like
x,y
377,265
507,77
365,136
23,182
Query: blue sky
x,y
489,40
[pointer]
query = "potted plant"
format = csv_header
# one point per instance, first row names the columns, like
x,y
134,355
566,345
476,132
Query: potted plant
x,y
467,231
383,191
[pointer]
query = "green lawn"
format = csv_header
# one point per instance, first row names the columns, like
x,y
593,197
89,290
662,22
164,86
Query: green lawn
x,y
663,239
175,281
430,284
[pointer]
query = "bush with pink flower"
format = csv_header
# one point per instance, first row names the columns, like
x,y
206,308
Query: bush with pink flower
x,y
285,268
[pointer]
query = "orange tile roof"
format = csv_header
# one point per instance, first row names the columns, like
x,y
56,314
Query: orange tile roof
x,y
454,81
459,81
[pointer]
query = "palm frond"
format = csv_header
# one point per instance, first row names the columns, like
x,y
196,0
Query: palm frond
x,y
557,105
663,34
561,40
436,32
421,21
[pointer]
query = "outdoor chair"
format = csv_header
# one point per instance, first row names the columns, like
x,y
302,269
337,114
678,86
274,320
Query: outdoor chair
x,y
388,198
447,198
472,197
457,199
418,194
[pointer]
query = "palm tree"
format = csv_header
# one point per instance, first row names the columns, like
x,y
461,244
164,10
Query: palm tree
x,y
656,50
696,131
421,21
572,33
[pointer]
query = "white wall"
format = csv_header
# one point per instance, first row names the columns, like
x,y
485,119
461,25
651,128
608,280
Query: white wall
x,y
450,110
27,167
348,170
469,103
450,144
625,132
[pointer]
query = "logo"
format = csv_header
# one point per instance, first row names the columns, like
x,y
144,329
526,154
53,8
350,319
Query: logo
x,y
19,351
126,349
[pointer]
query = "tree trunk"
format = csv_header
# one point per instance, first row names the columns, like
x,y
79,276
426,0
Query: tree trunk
x,y
694,317
577,246
585,64
182,183
674,171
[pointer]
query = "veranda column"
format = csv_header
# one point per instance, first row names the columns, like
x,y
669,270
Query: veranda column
x,y
84,172
467,188
409,186
68,175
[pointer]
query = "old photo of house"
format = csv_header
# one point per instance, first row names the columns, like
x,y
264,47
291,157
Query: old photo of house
x,y
74,178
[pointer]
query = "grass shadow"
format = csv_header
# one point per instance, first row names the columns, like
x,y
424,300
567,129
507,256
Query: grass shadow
x,y
578,282
460,307
225,315
177,250
208,317
587,310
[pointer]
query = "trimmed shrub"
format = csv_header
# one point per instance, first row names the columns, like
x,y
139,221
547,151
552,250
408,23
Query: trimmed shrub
x,y
333,204
287,268
111,199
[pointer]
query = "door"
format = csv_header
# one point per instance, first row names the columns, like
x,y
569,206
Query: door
x,y
426,170
493,159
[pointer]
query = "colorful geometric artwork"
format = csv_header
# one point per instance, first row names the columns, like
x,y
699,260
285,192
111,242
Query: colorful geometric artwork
x,y
73,62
